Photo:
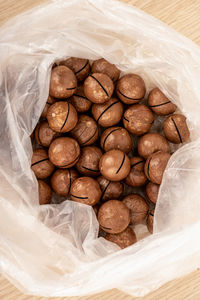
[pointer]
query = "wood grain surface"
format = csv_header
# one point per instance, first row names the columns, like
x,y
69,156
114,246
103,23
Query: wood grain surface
x,y
182,15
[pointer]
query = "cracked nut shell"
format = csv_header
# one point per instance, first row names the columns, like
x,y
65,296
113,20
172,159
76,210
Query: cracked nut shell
x,y
61,181
44,135
155,166
103,66
176,129
85,190
80,101
98,87
108,113
130,88
114,165
80,66
116,138
40,164
62,116
110,189
159,103
113,216
138,208
88,163
86,131
136,177
64,152
138,119
63,82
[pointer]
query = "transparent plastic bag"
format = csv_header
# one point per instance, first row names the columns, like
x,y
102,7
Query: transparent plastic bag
x,y
54,250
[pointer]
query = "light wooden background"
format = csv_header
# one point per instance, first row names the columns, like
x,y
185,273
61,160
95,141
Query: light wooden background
x,y
184,16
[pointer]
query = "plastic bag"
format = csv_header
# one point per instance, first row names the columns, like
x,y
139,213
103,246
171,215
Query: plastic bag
x,y
54,250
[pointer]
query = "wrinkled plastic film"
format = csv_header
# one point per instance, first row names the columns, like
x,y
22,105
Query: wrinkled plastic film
x,y
54,250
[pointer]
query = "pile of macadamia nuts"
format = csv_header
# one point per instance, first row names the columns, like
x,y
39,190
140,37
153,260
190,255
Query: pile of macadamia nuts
x,y
96,144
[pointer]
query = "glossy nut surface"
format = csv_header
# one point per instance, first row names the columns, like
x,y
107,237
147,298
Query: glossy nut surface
x,y
64,152
62,116
61,181
86,131
85,190
176,129
88,163
98,87
63,82
80,66
114,216
44,135
130,88
159,103
138,119
136,177
155,166
108,113
110,189
80,101
116,138
114,165
152,142
103,66
40,164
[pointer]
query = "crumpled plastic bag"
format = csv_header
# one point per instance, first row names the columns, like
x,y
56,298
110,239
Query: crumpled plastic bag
x,y
54,250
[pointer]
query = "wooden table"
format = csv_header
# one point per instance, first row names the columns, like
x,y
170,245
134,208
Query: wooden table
x,y
182,15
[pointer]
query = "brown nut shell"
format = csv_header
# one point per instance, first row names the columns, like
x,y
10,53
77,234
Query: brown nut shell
x,y
138,208
114,165
116,138
113,216
88,163
150,219
108,113
62,116
159,103
80,66
123,239
44,135
61,181
155,166
40,164
86,131
136,177
103,66
151,143
152,191
85,190
110,189
63,82
44,191
50,101
138,119
80,101
176,129
130,88
98,87
64,152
